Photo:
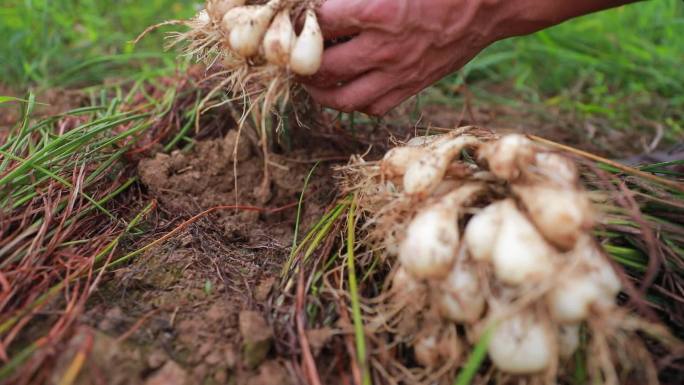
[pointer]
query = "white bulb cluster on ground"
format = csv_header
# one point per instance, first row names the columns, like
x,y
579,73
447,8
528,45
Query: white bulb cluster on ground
x,y
487,232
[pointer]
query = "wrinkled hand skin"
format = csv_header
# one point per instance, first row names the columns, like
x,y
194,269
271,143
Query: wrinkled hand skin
x,y
399,48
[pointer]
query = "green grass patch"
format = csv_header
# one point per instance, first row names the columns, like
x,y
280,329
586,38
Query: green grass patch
x,y
74,43
623,65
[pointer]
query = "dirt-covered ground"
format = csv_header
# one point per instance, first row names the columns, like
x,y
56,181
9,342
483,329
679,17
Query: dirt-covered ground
x,y
199,308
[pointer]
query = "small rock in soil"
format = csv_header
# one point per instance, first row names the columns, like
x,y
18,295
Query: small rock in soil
x,y
170,374
244,149
257,337
264,288
112,321
270,373
318,338
156,359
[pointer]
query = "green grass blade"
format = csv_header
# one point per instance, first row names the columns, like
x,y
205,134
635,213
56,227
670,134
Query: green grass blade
x,y
19,358
357,317
477,356
319,230
299,206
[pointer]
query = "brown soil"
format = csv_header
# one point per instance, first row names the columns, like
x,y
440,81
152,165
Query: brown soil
x,y
591,133
196,309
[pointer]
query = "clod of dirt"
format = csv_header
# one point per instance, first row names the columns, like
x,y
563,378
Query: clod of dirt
x,y
240,147
318,338
257,338
208,176
170,374
156,359
118,362
270,373
205,177
264,288
114,320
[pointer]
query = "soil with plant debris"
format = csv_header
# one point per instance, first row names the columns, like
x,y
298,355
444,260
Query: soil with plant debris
x,y
196,310
199,308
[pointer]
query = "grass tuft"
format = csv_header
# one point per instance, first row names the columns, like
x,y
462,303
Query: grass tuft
x,y
71,43
63,206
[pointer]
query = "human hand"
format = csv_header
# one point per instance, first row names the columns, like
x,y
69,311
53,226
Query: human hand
x,y
399,48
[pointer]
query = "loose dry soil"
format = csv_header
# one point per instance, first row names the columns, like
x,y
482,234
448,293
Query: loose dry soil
x,y
196,309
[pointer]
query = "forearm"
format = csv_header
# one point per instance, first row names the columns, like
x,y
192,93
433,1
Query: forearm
x,y
522,17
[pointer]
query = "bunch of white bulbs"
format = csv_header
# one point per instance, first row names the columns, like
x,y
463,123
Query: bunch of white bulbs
x,y
503,239
265,32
